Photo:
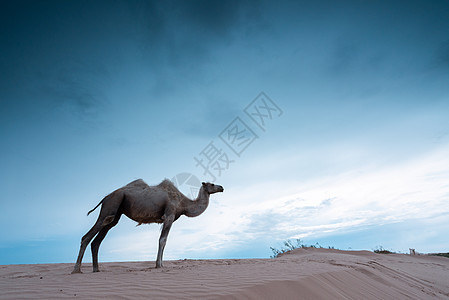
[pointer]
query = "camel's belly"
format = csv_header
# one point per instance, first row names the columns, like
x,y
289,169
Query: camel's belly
x,y
142,216
148,207
148,219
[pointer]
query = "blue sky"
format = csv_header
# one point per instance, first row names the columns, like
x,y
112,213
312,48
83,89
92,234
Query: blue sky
x,y
96,94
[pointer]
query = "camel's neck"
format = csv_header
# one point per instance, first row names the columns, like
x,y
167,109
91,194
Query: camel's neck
x,y
198,206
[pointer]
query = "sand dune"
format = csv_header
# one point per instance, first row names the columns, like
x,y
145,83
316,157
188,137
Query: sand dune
x,y
301,274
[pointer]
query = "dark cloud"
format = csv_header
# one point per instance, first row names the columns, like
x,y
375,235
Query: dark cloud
x,y
175,33
53,53
77,88
173,44
182,37
42,41
213,18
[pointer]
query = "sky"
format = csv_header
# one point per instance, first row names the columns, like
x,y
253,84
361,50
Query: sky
x,y
323,121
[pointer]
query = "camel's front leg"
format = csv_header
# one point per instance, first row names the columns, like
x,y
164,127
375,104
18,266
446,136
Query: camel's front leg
x,y
163,239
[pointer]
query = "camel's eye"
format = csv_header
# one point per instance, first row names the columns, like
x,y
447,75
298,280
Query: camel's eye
x,y
213,184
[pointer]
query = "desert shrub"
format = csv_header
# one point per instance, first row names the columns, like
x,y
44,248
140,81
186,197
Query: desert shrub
x,y
442,254
289,246
382,250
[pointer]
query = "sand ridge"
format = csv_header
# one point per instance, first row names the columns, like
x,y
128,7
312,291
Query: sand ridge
x,y
301,274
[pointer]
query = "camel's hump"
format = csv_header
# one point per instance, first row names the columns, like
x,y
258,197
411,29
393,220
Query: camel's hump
x,y
137,182
166,184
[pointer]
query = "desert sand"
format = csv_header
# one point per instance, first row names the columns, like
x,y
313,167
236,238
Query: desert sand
x,y
301,274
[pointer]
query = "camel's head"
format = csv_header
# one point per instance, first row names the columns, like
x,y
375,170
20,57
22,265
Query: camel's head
x,y
212,188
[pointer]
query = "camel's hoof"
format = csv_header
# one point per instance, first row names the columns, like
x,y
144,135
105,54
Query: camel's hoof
x,y
76,271
96,271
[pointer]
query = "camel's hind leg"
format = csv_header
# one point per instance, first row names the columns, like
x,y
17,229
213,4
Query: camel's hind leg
x,y
98,239
109,210
85,240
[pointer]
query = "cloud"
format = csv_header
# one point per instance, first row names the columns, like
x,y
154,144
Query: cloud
x,y
415,189
392,194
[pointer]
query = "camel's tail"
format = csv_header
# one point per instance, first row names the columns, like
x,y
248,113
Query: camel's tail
x,y
98,204
113,194
95,207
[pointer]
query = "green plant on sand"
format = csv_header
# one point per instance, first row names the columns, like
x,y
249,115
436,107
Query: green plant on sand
x,y
289,246
441,254
382,250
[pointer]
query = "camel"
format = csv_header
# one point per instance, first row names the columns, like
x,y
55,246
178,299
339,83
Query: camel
x,y
145,204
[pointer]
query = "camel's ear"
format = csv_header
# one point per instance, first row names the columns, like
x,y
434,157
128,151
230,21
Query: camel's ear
x,y
203,183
